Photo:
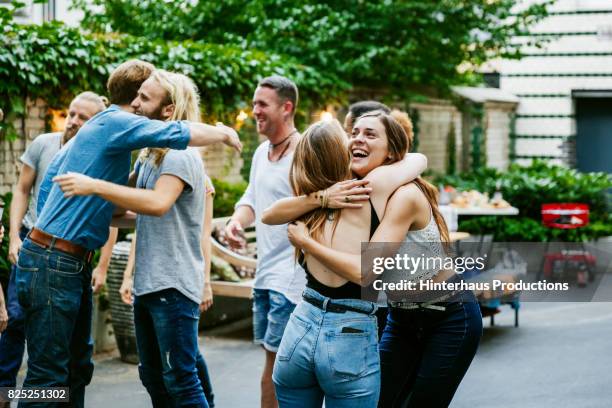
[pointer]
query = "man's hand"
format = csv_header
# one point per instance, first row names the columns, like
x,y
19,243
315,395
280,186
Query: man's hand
x,y
126,290
231,137
207,298
14,247
298,234
98,278
3,316
75,184
344,194
235,234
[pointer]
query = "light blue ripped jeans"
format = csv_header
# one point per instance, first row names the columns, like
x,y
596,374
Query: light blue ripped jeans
x,y
327,355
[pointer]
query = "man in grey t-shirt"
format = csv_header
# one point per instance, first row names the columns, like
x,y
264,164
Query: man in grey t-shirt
x,y
168,250
35,161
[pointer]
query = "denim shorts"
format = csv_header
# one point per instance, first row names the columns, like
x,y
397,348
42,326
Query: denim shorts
x,y
271,311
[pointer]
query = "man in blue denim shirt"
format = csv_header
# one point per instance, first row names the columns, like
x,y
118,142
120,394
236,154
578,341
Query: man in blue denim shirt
x,y
53,272
35,161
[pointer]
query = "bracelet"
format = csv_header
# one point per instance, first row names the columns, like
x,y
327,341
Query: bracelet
x,y
325,199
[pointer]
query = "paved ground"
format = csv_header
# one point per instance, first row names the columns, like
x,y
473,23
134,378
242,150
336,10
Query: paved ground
x,y
559,357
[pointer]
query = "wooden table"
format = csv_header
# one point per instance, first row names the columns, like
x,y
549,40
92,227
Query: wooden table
x,y
458,236
486,210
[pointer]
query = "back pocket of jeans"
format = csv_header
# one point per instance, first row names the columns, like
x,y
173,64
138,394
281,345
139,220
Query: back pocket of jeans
x,y
294,332
348,353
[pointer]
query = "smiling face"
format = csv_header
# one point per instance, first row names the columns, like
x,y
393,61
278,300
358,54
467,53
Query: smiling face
x,y
269,111
369,145
152,101
79,112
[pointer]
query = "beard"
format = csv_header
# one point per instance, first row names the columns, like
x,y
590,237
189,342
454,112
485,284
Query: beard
x,y
155,115
69,133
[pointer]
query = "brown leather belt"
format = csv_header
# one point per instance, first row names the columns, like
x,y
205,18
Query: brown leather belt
x,y
49,241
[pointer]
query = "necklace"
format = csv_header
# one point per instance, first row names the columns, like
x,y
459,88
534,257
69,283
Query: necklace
x,y
272,146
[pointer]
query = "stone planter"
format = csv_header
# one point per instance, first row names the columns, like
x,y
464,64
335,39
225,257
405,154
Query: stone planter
x,y
102,329
122,315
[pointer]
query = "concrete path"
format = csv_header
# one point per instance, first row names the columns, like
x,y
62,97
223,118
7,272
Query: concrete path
x,y
559,357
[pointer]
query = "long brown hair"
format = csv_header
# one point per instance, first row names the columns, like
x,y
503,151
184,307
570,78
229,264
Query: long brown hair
x,y
398,127
321,159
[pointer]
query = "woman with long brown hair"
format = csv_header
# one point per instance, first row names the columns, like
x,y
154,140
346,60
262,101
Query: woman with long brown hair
x,y
429,341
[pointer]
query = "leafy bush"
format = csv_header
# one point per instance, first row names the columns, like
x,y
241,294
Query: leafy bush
x,y
226,196
5,265
55,62
527,188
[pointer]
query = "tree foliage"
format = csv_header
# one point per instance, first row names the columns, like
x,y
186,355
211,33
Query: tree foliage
x,y
397,45
55,62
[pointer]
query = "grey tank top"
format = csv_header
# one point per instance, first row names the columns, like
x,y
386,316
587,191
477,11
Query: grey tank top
x,y
426,244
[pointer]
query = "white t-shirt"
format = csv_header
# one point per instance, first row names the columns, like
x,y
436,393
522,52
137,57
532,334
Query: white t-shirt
x,y
277,268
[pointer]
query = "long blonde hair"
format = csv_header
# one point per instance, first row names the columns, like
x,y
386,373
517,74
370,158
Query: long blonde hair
x,y
321,159
182,92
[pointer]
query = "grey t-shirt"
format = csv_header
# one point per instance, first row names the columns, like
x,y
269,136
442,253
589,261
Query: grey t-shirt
x,y
38,156
168,248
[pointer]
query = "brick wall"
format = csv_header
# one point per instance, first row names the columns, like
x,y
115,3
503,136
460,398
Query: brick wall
x,y
497,132
28,128
437,119
222,162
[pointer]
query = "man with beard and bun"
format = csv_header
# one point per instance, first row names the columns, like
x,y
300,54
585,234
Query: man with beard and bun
x,y
58,300
35,160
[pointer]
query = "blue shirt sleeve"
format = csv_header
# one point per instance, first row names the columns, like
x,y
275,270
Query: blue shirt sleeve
x,y
127,132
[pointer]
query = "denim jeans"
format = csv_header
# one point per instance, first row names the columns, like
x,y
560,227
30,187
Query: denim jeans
x,y
205,380
166,324
331,356
425,353
54,289
12,340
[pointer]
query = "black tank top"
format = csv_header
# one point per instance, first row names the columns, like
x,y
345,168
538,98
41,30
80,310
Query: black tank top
x,y
349,290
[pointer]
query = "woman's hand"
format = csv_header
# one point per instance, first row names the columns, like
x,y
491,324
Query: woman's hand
x,y
75,184
298,234
346,194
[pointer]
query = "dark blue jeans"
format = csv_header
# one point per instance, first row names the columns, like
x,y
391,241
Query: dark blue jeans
x,y
12,340
425,353
54,289
205,380
166,325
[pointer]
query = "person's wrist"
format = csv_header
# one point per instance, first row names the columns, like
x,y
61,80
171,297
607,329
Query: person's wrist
x,y
13,235
96,187
234,221
313,199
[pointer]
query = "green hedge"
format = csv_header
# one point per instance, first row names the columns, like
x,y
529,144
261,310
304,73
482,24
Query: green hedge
x,y
55,62
527,188
5,265
226,196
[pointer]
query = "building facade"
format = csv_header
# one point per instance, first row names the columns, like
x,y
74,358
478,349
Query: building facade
x,y
564,87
